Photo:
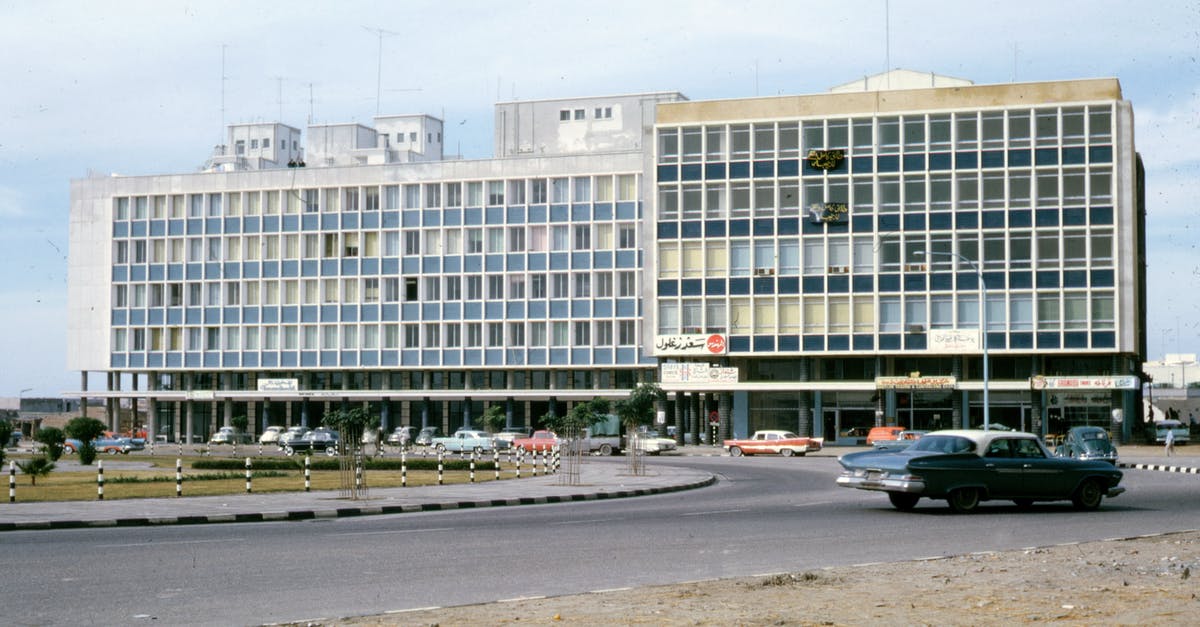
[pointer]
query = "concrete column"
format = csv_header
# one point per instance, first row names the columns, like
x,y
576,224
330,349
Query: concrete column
x,y
189,410
508,413
83,381
110,404
467,412
225,383
956,400
724,407
151,406
699,424
804,422
385,415
680,426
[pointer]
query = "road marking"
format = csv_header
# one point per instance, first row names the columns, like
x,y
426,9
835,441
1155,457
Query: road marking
x,y
584,522
715,511
118,546
606,590
414,609
390,531
811,504
519,599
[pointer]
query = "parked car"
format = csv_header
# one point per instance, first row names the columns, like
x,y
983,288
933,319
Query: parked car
x,y
650,443
400,436
1162,426
293,433
106,444
425,436
878,434
465,440
230,435
270,435
319,439
1090,443
903,439
541,440
510,435
772,442
853,433
965,467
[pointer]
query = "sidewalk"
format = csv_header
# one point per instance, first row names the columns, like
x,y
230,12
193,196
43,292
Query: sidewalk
x,y
596,482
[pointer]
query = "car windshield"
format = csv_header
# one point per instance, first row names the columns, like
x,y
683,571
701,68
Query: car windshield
x,y
943,444
1097,446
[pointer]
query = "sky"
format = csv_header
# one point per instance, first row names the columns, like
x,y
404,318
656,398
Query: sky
x,y
136,88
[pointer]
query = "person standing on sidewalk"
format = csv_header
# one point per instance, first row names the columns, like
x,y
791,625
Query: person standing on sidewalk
x,y
1170,440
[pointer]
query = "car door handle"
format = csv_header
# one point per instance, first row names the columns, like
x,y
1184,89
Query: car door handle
x,y
989,465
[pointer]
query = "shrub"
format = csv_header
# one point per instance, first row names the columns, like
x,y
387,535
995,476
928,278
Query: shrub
x,y
85,430
52,439
87,453
36,467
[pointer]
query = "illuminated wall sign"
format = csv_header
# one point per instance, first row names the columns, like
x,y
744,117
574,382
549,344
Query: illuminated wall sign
x,y
1084,383
825,212
278,385
690,344
825,159
954,340
915,383
697,372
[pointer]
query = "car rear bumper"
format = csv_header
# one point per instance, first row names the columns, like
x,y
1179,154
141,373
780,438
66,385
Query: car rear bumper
x,y
1114,491
882,484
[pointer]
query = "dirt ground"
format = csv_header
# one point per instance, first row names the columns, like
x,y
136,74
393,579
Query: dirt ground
x,y
1142,581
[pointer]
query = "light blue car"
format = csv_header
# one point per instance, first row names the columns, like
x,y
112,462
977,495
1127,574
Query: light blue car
x,y
466,440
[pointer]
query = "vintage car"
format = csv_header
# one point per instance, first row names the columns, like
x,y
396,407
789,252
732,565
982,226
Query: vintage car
x,y
965,467
425,436
400,436
903,439
1090,443
880,434
772,442
293,433
541,440
650,443
466,440
270,435
109,444
230,435
319,439
1161,427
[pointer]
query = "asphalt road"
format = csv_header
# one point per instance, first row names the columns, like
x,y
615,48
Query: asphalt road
x,y
765,515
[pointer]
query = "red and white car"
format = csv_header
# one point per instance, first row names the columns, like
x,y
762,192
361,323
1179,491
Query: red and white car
x,y
540,441
773,442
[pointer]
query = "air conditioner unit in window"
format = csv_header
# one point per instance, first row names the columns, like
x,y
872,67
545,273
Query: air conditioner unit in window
x,y
916,328
914,267
764,272
839,269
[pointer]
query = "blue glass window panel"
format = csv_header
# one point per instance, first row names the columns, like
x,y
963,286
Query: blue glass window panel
x,y
407,358
391,265
889,342
119,361
175,315
308,268
764,343
195,227
627,307
789,343
271,315
764,169
887,163
391,219
1048,339
1047,217
993,219
410,265
229,315
559,309
213,225
714,228
995,280
966,160
889,282
862,224
192,360
1073,155
628,210
941,221
813,285
789,285
914,222
121,229
668,173
581,260
914,163
137,317
559,356
739,286
863,342
838,284
390,312
310,313
1104,339
627,258
688,287
492,310
516,261
410,311
1019,158
491,215
788,226
370,313
941,161
537,214
139,227
889,222
1100,154
138,273
349,267
691,172
941,281
789,167
914,282
1046,279
992,158
308,222
714,171
349,221
250,224
1019,218
764,285
120,274
1074,278
714,287
738,228
118,317
472,216
493,263
431,357
1102,278
537,309
602,356
471,311
814,342
668,230
515,215
581,212
862,283
536,357
764,227
602,211
692,229
967,281
175,272
739,170
1045,156
1101,215
155,360
1075,339
195,272
839,343
369,358
449,264
559,213
601,259
370,220
211,271
537,261
268,360
176,227
810,227
860,165
916,341
603,307
515,310
1016,280
1074,216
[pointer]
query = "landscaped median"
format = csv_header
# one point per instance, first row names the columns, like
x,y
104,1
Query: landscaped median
x,y
151,477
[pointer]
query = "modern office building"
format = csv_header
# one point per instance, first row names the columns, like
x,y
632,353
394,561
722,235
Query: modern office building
x,y
815,263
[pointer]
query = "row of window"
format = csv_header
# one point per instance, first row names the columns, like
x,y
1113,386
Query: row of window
x,y
561,190
599,113
239,146
370,290
1015,128
432,335
868,313
1021,188
351,244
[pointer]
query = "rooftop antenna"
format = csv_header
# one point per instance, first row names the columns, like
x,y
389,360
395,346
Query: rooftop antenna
x,y
1016,52
223,47
887,43
379,64
310,103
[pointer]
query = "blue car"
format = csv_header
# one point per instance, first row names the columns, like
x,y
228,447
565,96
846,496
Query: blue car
x,y
107,444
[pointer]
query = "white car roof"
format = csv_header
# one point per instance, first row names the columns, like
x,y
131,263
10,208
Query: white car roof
x,y
979,436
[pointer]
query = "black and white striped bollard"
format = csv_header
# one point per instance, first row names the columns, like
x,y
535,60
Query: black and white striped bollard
x,y
100,479
520,457
440,467
358,474
496,461
403,468
307,474
178,477
247,475
12,481
472,466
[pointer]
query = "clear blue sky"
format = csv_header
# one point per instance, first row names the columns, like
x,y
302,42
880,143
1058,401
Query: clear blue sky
x,y
136,88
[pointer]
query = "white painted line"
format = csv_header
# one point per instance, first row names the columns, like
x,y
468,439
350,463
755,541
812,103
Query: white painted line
x,y
584,522
715,511
605,590
813,503
519,599
118,546
390,531
414,609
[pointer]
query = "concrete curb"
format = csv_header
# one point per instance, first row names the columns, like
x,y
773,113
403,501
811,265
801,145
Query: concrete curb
x,y
346,512
1160,468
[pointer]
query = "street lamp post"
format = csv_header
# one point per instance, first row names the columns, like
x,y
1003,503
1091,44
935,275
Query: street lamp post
x,y
982,322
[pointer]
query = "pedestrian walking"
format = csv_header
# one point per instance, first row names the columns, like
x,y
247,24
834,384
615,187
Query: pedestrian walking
x,y
1170,441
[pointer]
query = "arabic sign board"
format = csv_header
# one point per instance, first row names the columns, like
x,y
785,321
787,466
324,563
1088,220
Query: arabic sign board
x,y
1079,399
697,372
278,385
201,395
915,383
954,340
690,344
1084,383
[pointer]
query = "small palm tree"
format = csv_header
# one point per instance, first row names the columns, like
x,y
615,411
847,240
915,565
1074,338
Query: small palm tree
x,y
36,467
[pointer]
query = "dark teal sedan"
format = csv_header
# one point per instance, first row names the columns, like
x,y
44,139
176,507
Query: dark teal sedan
x,y
966,467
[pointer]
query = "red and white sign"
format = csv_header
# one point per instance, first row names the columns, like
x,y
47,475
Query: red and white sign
x,y
696,344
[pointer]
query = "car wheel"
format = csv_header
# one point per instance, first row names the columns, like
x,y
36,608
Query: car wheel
x,y
903,501
787,452
289,451
1023,503
441,448
735,451
330,451
1088,496
112,451
606,449
964,500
